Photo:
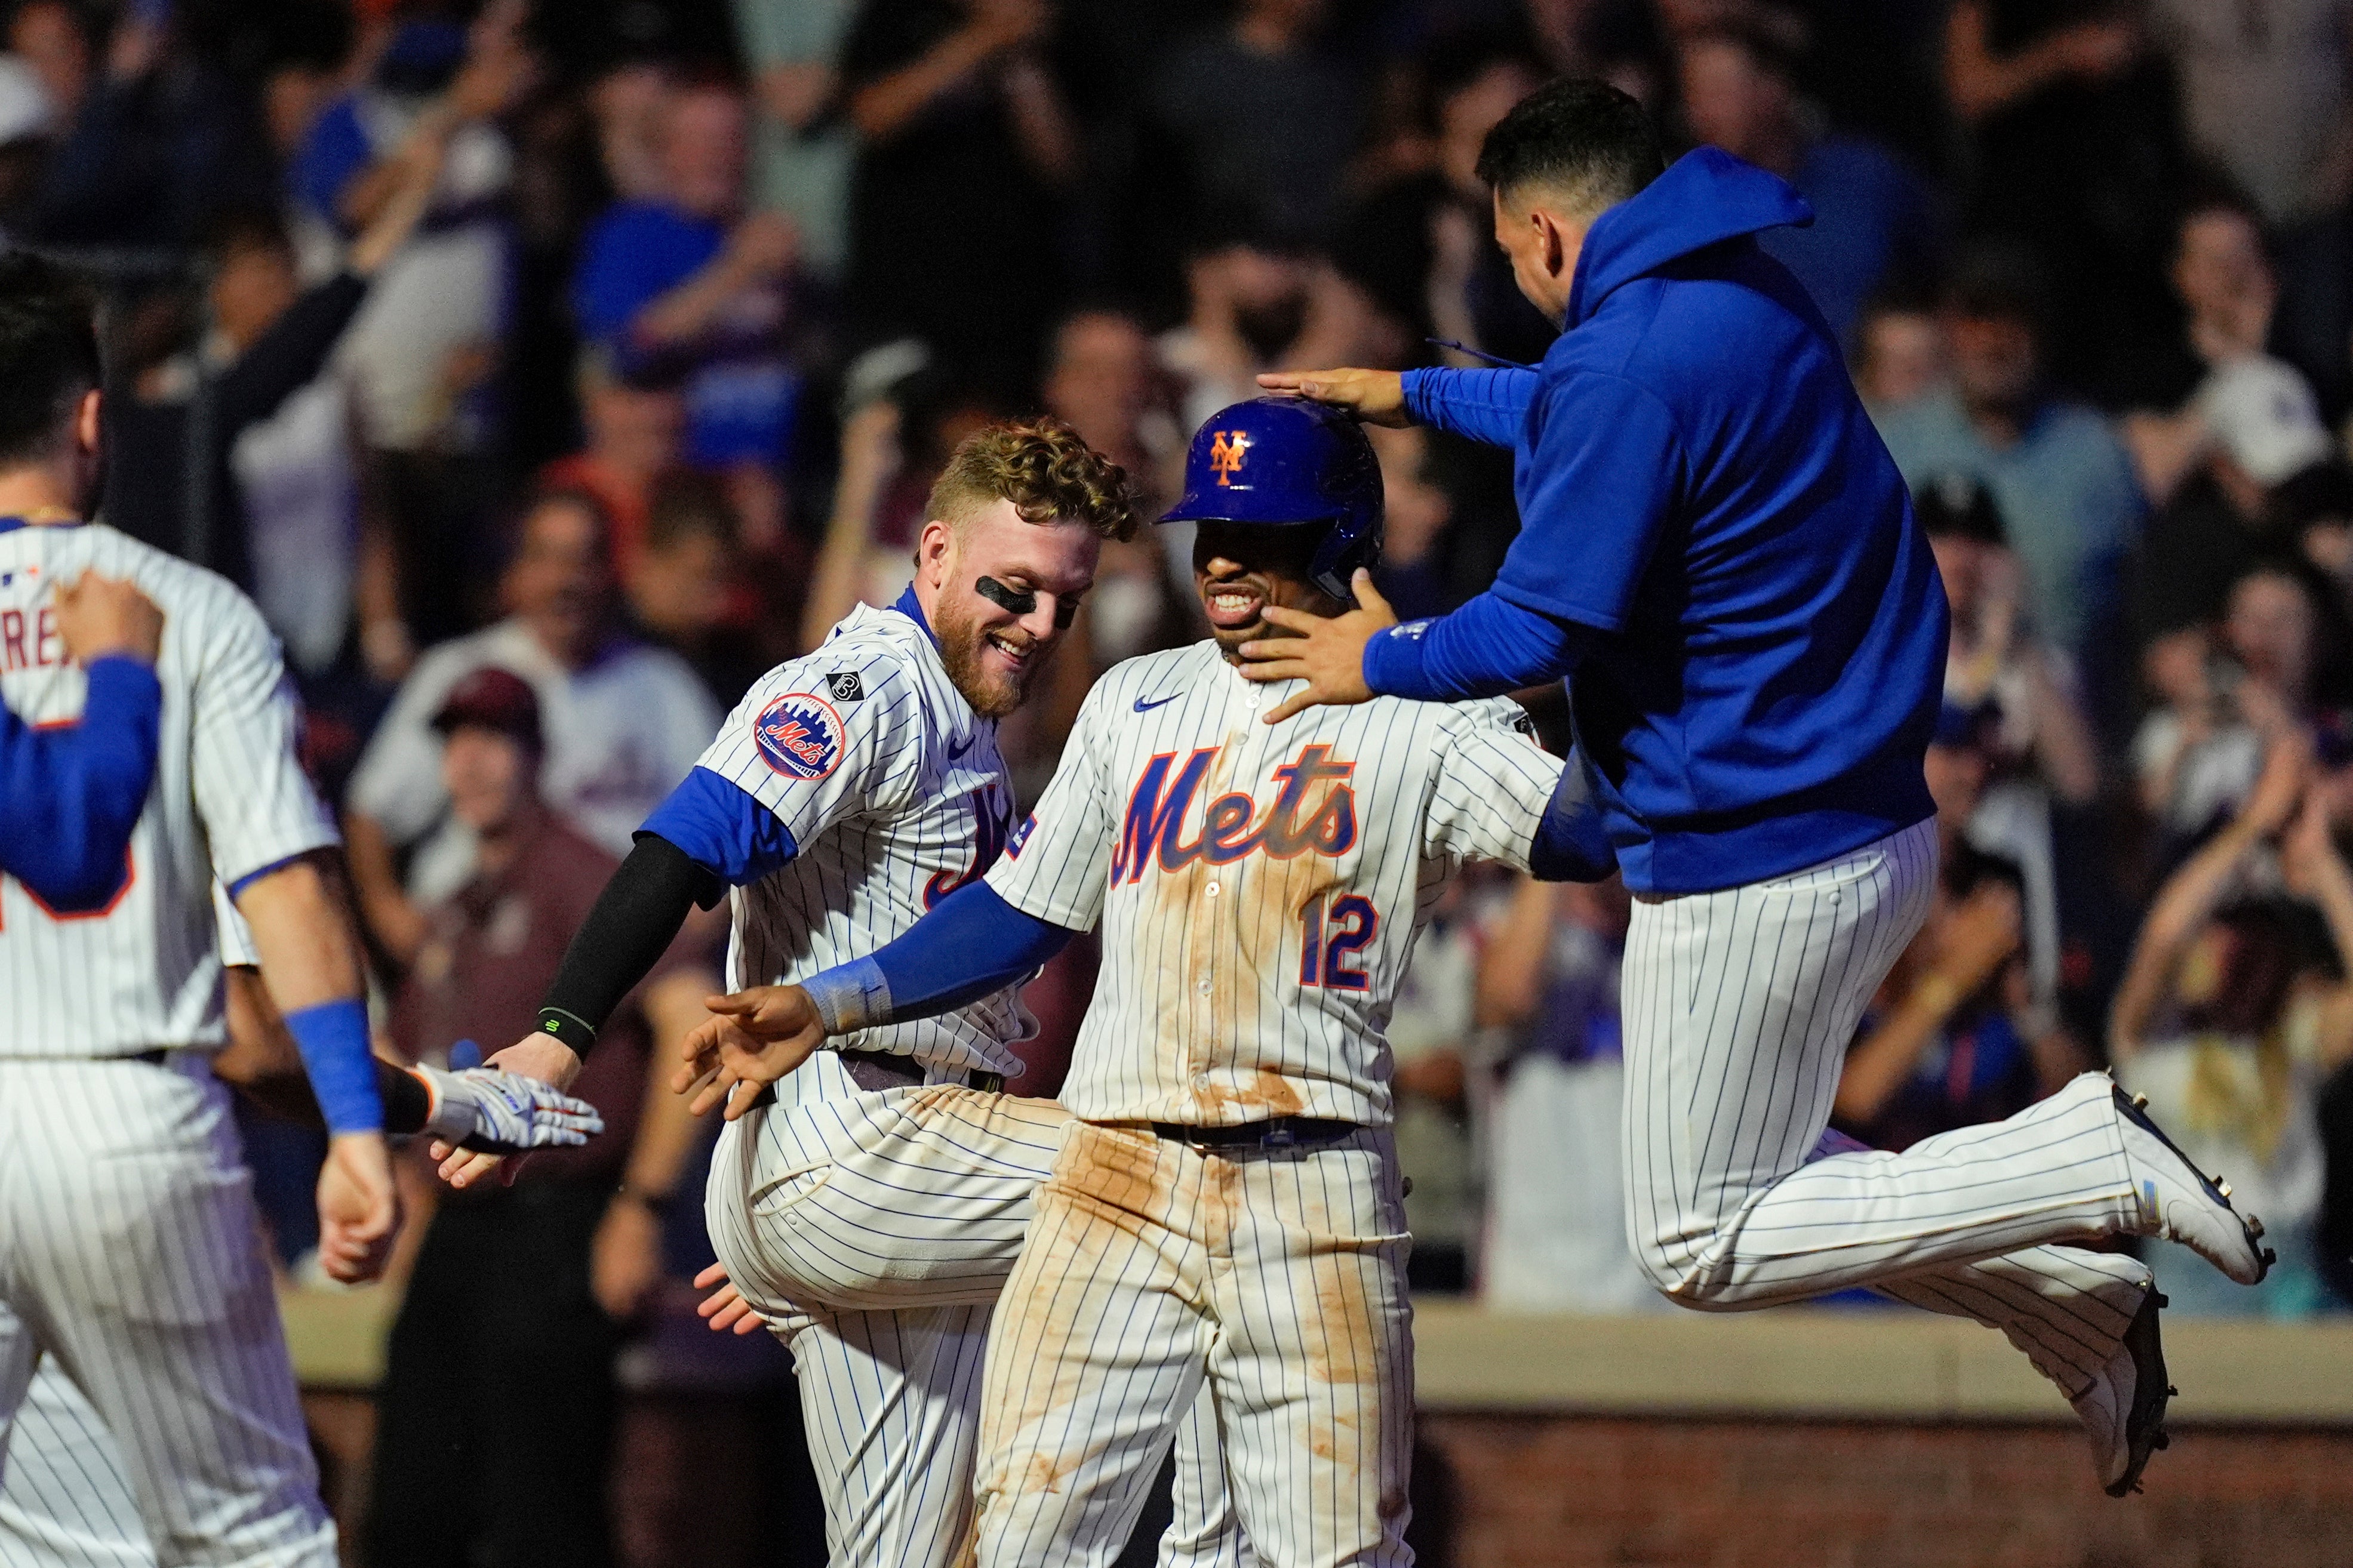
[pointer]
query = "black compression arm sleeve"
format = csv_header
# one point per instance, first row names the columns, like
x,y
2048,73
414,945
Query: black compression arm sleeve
x,y
636,919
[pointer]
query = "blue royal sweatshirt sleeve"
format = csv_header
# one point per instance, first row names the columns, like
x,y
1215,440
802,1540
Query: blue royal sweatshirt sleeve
x,y
73,794
1487,648
723,829
1489,405
971,945
1573,840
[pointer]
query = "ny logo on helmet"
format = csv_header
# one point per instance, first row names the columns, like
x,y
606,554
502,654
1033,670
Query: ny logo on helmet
x,y
1226,449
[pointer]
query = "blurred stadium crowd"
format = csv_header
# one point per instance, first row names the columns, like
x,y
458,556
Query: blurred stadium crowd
x,y
610,349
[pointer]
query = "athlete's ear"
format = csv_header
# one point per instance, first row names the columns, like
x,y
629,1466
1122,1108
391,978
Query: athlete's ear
x,y
87,422
935,550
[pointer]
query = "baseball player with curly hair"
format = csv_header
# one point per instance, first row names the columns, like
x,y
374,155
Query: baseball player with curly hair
x,y
1226,1212
871,1208
1719,554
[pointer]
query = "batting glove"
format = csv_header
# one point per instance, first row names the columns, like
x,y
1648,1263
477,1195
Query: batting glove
x,y
496,1112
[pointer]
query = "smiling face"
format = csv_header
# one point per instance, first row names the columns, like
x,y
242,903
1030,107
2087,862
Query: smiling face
x,y
1239,569
992,652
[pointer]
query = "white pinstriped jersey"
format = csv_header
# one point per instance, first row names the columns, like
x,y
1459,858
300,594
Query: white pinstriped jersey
x,y
895,795
1260,886
230,798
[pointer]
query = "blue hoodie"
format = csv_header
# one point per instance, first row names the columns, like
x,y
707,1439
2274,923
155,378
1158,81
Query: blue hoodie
x,y
1720,542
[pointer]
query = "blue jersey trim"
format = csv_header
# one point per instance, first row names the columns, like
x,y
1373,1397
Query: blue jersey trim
x,y
721,828
11,524
907,605
237,889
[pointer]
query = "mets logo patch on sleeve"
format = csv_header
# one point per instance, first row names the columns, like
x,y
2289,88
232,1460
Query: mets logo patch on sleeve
x,y
799,736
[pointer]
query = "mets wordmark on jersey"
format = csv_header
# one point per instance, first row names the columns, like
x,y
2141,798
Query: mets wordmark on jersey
x,y
1260,886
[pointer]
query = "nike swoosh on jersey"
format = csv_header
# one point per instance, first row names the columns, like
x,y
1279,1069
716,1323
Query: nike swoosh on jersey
x,y
1143,707
954,751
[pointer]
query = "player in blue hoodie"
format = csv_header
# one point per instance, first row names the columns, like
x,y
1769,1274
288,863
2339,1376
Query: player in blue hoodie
x,y
1718,553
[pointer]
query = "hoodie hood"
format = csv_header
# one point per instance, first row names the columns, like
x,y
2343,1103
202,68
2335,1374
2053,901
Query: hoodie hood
x,y
1705,199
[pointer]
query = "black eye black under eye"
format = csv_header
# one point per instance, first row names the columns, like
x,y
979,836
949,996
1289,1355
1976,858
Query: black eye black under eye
x,y
1024,601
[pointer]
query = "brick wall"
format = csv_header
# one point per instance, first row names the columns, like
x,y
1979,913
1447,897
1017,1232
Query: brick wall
x,y
1537,1491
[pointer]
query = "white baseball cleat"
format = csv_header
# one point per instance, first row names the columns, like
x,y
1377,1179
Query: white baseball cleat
x,y
2123,1411
2179,1202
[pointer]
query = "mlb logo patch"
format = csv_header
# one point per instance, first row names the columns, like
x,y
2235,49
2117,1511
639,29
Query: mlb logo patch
x,y
844,687
799,736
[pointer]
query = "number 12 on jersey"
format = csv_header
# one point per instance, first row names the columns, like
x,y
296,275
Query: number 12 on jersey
x,y
1331,939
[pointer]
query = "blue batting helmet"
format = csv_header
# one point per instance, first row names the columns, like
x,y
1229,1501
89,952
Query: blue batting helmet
x,y
1282,462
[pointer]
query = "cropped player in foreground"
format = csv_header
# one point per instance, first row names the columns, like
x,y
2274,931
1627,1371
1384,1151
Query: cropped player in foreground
x,y
875,1206
1227,1211
128,1244
66,1500
1718,547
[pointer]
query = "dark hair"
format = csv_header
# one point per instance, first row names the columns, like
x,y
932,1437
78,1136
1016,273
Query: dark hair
x,y
1999,281
687,504
1956,505
243,228
1583,139
2321,493
48,353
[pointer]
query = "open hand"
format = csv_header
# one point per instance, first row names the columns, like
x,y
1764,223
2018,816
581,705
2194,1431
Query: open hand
x,y
753,1038
543,1056
1328,652
1374,397
724,1309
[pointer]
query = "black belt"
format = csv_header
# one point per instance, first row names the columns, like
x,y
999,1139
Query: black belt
x,y
1278,1133
878,1071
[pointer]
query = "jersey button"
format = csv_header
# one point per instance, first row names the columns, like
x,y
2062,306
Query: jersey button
x,y
1212,889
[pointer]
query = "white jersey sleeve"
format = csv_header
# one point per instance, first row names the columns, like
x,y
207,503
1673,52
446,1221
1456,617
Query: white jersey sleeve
x,y
836,734
237,949
1056,866
255,801
1493,785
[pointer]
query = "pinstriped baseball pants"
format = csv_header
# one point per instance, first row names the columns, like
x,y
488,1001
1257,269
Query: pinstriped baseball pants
x,y
64,1500
1275,1281
1738,1009
877,1229
131,1259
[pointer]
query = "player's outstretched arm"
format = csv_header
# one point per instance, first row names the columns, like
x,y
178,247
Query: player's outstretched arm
x,y
1487,406
1374,397
973,946
629,929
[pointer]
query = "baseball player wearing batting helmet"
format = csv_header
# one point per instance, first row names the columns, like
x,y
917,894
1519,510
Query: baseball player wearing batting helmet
x,y
871,1208
1227,1211
1717,550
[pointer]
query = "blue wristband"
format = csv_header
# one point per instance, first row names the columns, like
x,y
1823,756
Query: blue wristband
x,y
333,1039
